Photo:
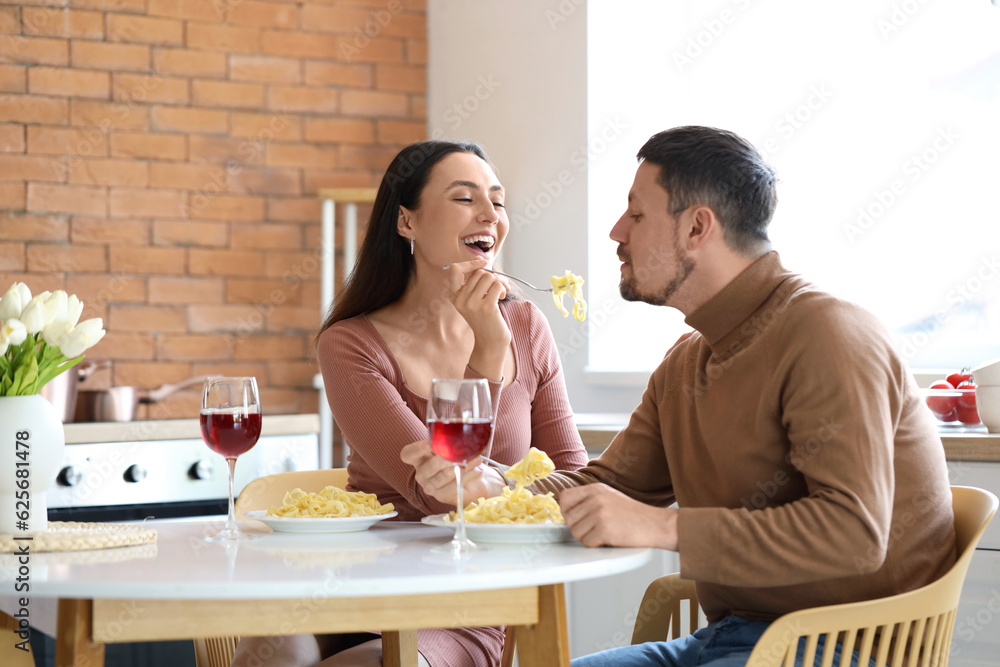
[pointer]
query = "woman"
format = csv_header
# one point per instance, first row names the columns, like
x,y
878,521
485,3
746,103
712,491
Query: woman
x,y
404,319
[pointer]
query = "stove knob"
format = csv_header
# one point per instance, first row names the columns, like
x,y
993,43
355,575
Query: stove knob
x,y
135,474
201,470
70,476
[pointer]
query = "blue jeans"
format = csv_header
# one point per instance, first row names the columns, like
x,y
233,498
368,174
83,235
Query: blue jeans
x,y
725,643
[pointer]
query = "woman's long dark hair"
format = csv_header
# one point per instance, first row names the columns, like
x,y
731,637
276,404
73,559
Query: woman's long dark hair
x,y
385,266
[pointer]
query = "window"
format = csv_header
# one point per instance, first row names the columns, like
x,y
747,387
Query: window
x,y
882,121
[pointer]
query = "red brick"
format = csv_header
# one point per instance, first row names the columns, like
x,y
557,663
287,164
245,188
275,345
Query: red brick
x,y
52,22
9,23
288,319
269,347
13,79
224,151
404,78
192,348
300,265
225,262
127,346
231,369
305,209
12,197
98,231
196,10
22,227
31,109
108,115
314,179
73,258
266,182
261,290
34,50
183,176
188,62
407,24
189,119
117,57
110,172
266,237
148,145
292,373
68,82
12,257
66,141
267,69
323,73
373,103
266,126
376,158
191,233
266,14
169,261
301,155
353,49
340,130
418,107
227,94
305,99
111,5
222,207
337,19
299,44
32,168
11,138
145,203
416,51
243,320
96,290
149,88
401,131
184,290
144,30
150,374
154,319
215,37
66,199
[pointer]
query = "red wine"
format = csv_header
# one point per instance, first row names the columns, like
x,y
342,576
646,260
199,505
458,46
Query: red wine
x,y
458,440
230,433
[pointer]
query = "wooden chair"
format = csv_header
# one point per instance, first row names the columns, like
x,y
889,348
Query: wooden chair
x,y
926,615
10,655
269,490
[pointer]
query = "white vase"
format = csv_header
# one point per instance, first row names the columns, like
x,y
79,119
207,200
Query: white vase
x,y
32,441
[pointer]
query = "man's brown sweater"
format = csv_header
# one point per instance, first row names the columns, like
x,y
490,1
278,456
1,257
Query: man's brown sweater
x,y
794,440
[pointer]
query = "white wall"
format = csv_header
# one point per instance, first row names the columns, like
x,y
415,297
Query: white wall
x,y
512,75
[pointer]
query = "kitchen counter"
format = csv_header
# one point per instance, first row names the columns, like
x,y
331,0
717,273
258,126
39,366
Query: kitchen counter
x,y
960,444
179,429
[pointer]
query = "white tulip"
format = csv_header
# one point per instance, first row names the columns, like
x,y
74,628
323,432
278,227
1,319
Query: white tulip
x,y
14,301
55,307
33,315
12,332
54,332
82,337
74,308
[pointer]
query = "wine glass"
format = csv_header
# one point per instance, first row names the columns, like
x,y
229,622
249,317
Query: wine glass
x,y
230,426
460,422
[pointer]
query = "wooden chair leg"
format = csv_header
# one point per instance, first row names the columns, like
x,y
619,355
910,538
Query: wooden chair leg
x,y
74,647
547,642
399,648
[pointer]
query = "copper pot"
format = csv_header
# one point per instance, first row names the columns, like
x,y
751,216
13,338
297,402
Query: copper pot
x,y
61,391
118,404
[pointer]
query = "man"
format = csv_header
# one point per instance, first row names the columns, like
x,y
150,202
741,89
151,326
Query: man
x,y
790,433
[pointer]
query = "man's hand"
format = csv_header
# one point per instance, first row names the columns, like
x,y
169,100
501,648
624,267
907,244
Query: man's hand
x,y
600,516
436,476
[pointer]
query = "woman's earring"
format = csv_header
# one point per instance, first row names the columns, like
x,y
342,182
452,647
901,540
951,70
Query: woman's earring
x,y
411,245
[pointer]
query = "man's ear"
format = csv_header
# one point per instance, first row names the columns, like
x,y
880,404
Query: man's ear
x,y
701,226
404,222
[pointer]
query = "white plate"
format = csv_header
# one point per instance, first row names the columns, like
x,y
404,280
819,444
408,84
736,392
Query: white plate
x,y
344,524
507,533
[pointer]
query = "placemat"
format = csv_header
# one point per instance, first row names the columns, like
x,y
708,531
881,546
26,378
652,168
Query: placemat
x,y
80,536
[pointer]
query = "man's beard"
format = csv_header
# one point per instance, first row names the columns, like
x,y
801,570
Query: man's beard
x,y
628,289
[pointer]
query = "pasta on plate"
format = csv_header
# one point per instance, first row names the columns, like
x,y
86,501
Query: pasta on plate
x,y
331,502
519,505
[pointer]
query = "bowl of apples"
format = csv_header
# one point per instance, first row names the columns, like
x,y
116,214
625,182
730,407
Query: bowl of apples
x,y
952,400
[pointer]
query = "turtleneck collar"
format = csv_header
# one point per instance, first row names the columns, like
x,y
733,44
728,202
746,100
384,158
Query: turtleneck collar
x,y
735,302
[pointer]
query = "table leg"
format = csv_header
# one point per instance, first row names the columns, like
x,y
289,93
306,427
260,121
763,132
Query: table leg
x,y
399,648
547,642
74,647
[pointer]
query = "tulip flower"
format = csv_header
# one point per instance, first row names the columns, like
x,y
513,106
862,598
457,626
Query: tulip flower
x,y
33,316
14,301
82,337
12,332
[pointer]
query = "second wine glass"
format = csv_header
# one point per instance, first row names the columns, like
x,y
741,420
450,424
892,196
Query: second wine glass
x,y
460,423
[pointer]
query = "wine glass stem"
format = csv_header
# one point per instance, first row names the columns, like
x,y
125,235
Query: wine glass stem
x,y
460,533
231,527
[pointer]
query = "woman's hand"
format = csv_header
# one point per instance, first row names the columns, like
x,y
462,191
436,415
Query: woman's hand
x,y
475,293
436,476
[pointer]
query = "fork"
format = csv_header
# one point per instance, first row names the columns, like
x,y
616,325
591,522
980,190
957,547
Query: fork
x,y
523,282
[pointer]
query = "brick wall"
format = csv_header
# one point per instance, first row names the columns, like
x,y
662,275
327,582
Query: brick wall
x,y
160,159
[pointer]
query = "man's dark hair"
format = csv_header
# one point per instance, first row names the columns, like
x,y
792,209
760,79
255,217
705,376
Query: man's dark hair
x,y
718,169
